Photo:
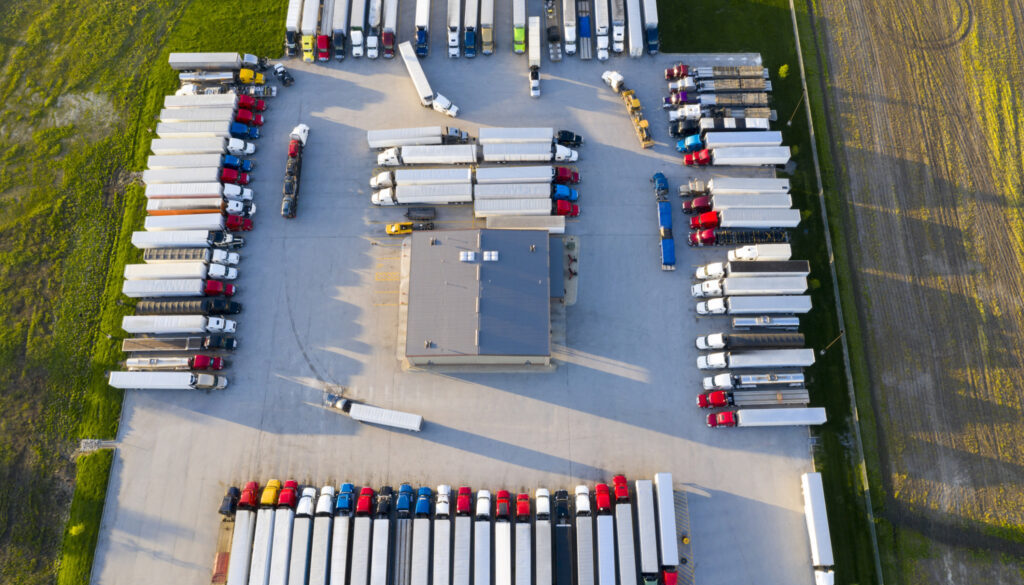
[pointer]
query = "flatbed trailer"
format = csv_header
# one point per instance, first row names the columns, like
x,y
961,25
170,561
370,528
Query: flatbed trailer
x,y
723,237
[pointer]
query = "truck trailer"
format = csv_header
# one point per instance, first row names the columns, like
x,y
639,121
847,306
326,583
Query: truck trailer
x,y
768,417
462,547
158,324
421,33
762,358
715,140
292,27
517,207
230,191
563,559
170,255
419,136
773,380
402,567
817,527
469,24
668,537
186,239
766,322
191,307
419,80
624,531
767,305
754,156
505,174
521,191
760,218
442,554
212,61
241,544
357,26
761,253
635,23
323,524
584,538
190,287
302,532
651,26
281,547
482,538
454,29
365,413
178,344
223,129
706,203
747,398
734,186
487,27
424,194
361,535
166,381
178,270
208,222
534,33
341,538
174,364
380,553
326,31
542,537
749,286
411,177
169,146
569,25
230,114
529,152
749,340
749,268
668,243
310,22
647,530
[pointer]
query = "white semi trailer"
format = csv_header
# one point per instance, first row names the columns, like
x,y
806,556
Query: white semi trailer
x,y
454,27
419,80
166,381
424,194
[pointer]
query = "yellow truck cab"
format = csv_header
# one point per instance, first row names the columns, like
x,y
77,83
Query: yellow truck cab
x,y
399,228
250,76
307,48
270,491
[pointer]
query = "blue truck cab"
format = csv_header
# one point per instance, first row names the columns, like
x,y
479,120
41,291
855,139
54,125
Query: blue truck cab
x,y
661,189
564,193
403,505
423,497
422,42
652,40
469,43
240,130
241,164
345,501
689,144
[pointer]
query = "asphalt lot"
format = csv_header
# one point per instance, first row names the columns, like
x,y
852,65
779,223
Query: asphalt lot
x,y
320,296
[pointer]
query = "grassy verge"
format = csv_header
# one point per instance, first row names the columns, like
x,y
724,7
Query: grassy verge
x,y
83,526
81,83
765,27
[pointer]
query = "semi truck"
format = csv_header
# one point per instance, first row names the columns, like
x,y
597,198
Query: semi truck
x,y
178,270
310,20
498,207
233,146
524,542
719,202
749,340
817,527
339,27
380,554
166,381
178,344
526,174
419,80
584,538
469,24
503,539
605,540
751,381
281,547
390,30
748,286
601,28
761,253
754,268
421,35
532,152
708,125
194,307
357,26
454,27
635,23
191,287
361,534
302,531
723,72
410,177
586,47
651,26
174,364
402,571
754,156
514,191
341,538
198,222
461,548
624,531
292,27
668,537
529,136
647,530
618,25
184,161
442,555
534,55
563,560
325,32
542,530
487,27
215,101
424,194
420,136
420,568
733,85
223,129
365,413
241,540
214,61
222,80
259,570
194,175
167,255
186,239
747,218
727,237
767,305
734,186
323,523
667,244
482,538
569,24
746,398
762,358
182,115
768,417
190,190
758,138
158,324
766,322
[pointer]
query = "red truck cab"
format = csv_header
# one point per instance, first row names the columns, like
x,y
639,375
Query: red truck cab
x,y
250,103
463,502
566,176
563,207
716,399
205,362
676,71
703,238
248,500
247,117
213,288
621,489
294,148
233,176
288,496
323,51
364,505
669,577
697,205
236,223
523,508
603,498
706,220
387,40
699,158
503,505
722,419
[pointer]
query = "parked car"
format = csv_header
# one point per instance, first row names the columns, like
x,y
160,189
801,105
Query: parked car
x,y
230,502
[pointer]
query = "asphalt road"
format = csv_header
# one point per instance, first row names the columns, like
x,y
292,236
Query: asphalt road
x,y
321,313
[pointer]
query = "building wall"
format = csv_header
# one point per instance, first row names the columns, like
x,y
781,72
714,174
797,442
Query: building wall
x,y
478,360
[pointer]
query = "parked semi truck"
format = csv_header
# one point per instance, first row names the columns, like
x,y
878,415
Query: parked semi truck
x,y
411,177
339,27
525,191
527,174
230,114
747,398
186,239
753,305
498,207
461,547
454,28
503,539
419,80
563,560
768,417
749,340
302,532
281,547
605,540
584,537
420,136
214,101
618,25
601,28
542,537
647,529
668,537
442,555
524,542
357,26
194,175
171,255
773,380
569,25
171,146
341,537
754,268
185,161
166,381
361,534
705,204
390,30
223,129
310,22
178,344
534,55
174,364
469,24
667,244
482,538
763,358
529,136
420,568
158,324
761,253
373,415
728,237
259,570
487,27
185,287
635,23
324,31
424,194
755,156
242,537
194,307
747,218
292,27
402,568
734,186
747,286
214,61
817,527
530,152
624,531
230,191
198,222
178,270
380,554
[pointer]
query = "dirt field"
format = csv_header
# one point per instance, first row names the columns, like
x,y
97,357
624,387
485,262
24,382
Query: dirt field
x,y
923,99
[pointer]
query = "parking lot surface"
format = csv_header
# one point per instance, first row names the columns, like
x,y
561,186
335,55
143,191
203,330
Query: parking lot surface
x,y
320,297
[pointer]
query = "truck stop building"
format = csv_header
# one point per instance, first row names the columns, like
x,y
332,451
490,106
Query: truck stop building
x,y
479,297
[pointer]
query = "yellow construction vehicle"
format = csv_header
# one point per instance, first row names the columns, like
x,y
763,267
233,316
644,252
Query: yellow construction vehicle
x,y
402,228
633,108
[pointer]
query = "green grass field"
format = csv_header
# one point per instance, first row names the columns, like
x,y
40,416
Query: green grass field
x,y
83,526
766,27
81,83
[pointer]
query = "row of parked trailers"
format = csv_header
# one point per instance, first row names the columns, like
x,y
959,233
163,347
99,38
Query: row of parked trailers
x,y
370,27
360,537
